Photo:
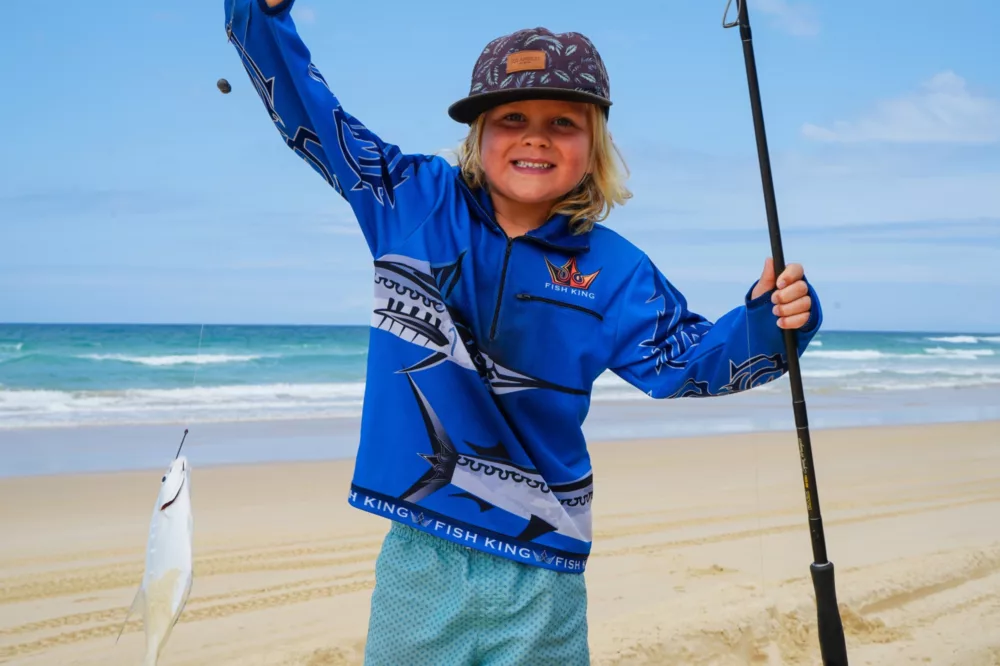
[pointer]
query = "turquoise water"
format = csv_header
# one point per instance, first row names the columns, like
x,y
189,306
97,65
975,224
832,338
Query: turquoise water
x,y
118,357
116,374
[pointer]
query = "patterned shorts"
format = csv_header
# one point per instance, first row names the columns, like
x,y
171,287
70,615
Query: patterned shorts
x,y
438,603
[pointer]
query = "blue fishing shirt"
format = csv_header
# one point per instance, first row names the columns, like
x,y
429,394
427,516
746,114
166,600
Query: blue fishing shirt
x,y
484,349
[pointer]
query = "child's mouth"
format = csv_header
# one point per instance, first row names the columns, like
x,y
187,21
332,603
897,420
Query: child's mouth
x,y
532,166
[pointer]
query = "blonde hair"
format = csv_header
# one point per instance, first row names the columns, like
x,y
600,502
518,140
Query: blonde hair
x,y
592,199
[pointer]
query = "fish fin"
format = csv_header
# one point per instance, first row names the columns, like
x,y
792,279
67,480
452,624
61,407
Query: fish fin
x,y
484,506
536,527
429,362
136,603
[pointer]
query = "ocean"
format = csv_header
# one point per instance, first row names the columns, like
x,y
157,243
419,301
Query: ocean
x,y
71,375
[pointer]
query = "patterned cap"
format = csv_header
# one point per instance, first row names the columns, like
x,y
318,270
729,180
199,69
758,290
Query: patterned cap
x,y
535,64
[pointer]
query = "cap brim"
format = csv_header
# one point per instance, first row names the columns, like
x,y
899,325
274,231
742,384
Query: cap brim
x,y
468,109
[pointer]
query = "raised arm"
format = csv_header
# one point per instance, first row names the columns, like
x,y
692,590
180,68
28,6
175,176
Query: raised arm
x,y
391,193
668,351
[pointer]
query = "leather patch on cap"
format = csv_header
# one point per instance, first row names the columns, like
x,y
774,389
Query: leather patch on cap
x,y
522,61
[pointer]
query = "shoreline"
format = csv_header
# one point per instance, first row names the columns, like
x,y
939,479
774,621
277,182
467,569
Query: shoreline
x,y
348,456
68,449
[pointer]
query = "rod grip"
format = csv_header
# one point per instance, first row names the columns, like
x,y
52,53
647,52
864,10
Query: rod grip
x,y
831,629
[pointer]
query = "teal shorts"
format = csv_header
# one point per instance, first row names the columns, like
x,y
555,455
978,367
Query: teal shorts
x,y
438,603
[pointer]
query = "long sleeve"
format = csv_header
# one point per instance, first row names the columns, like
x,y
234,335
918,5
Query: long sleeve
x,y
667,351
391,193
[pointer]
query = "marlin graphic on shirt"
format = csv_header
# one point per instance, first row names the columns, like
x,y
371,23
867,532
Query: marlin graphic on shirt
x,y
379,167
668,340
754,371
263,85
410,305
492,480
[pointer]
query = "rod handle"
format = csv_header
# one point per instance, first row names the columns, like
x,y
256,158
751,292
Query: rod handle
x,y
833,647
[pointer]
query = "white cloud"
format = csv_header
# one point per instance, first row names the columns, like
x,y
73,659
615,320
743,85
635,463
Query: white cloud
x,y
303,14
943,110
796,18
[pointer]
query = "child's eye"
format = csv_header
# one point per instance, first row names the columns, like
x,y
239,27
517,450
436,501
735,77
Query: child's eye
x,y
514,117
565,122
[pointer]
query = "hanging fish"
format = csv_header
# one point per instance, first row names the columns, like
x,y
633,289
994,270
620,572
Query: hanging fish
x,y
166,582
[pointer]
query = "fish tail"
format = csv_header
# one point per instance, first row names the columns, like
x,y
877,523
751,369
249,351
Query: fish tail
x,y
137,603
151,657
154,645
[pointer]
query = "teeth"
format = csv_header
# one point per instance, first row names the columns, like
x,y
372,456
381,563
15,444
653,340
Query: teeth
x,y
533,165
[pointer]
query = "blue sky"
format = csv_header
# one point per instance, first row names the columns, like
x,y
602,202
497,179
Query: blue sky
x,y
131,190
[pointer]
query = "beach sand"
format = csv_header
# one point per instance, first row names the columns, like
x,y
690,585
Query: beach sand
x,y
701,555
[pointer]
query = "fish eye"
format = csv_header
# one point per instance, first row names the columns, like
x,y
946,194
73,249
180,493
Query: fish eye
x,y
164,479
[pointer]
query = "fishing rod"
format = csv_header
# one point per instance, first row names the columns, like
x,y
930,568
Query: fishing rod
x,y
831,629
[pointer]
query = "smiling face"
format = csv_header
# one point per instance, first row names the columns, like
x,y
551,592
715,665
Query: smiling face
x,y
533,153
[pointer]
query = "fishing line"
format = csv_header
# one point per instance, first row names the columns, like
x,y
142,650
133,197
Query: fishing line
x,y
194,378
756,471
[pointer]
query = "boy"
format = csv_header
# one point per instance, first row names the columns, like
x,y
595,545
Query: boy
x,y
499,299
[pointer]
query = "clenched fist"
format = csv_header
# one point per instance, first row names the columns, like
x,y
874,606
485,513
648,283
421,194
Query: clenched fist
x,y
791,299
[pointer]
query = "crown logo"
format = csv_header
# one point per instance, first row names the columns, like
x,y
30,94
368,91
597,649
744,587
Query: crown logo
x,y
568,275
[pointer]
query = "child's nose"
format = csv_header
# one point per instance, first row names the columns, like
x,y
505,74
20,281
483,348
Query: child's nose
x,y
537,138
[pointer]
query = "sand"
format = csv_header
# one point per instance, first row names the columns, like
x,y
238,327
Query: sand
x,y
701,555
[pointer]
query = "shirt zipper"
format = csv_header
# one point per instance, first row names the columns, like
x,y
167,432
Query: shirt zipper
x,y
503,278
506,259
572,306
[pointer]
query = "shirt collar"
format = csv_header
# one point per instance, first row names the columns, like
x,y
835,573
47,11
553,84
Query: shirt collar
x,y
555,233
